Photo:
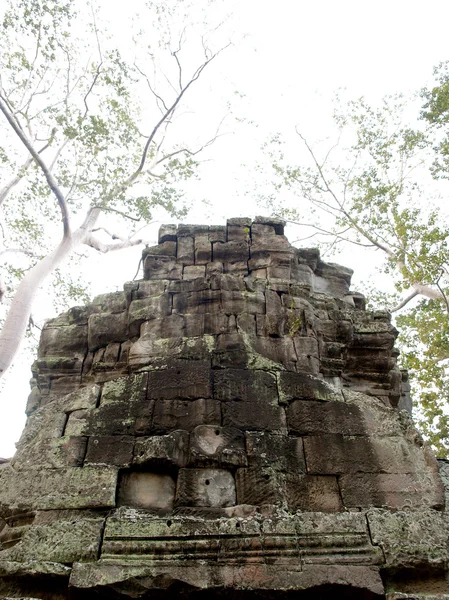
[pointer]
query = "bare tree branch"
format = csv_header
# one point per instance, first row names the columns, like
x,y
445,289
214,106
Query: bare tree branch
x,y
321,231
341,208
47,173
166,115
158,98
104,248
404,302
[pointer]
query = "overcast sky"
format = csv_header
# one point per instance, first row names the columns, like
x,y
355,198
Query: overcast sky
x,y
288,60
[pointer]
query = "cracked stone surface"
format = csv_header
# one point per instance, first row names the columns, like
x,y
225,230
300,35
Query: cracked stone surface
x,y
234,425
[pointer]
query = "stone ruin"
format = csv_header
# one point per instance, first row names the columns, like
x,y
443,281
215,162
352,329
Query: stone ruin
x,y
232,426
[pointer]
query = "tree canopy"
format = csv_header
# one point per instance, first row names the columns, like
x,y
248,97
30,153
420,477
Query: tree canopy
x,y
92,128
381,186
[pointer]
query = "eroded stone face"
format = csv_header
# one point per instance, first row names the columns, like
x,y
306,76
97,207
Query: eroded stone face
x,y
230,422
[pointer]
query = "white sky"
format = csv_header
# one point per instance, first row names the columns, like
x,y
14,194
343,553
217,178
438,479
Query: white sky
x,y
288,60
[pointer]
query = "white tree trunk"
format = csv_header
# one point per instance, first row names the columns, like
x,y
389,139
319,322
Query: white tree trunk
x,y
18,316
16,322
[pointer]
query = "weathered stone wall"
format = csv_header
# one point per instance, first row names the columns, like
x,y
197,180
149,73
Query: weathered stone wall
x,y
234,422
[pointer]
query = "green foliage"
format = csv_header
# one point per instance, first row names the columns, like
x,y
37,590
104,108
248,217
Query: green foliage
x,y
436,112
93,106
424,339
378,188
293,324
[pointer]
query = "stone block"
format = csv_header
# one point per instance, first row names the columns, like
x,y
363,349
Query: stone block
x,y
313,493
60,386
205,301
217,233
379,419
307,360
77,315
51,453
132,388
228,342
259,486
186,380
105,328
63,541
297,386
47,489
146,289
238,233
281,270
194,324
114,302
186,250
313,417
258,274
240,541
167,233
203,249
275,315
363,579
213,445
236,268
396,491
113,418
410,539
228,283
235,302
33,400
205,487
192,230
337,454
67,341
245,385
236,251
167,248
281,452
302,274
46,422
193,272
189,285
214,268
171,449
161,267
111,355
277,224
278,350
214,323
154,307
262,230
246,323
364,360
110,450
77,423
259,260
145,350
169,415
254,416
163,328
146,490
239,221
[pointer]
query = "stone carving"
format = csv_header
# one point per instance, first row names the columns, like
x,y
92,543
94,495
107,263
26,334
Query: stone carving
x,y
232,425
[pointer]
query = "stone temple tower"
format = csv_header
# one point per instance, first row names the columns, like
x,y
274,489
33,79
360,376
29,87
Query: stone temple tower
x,y
231,426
